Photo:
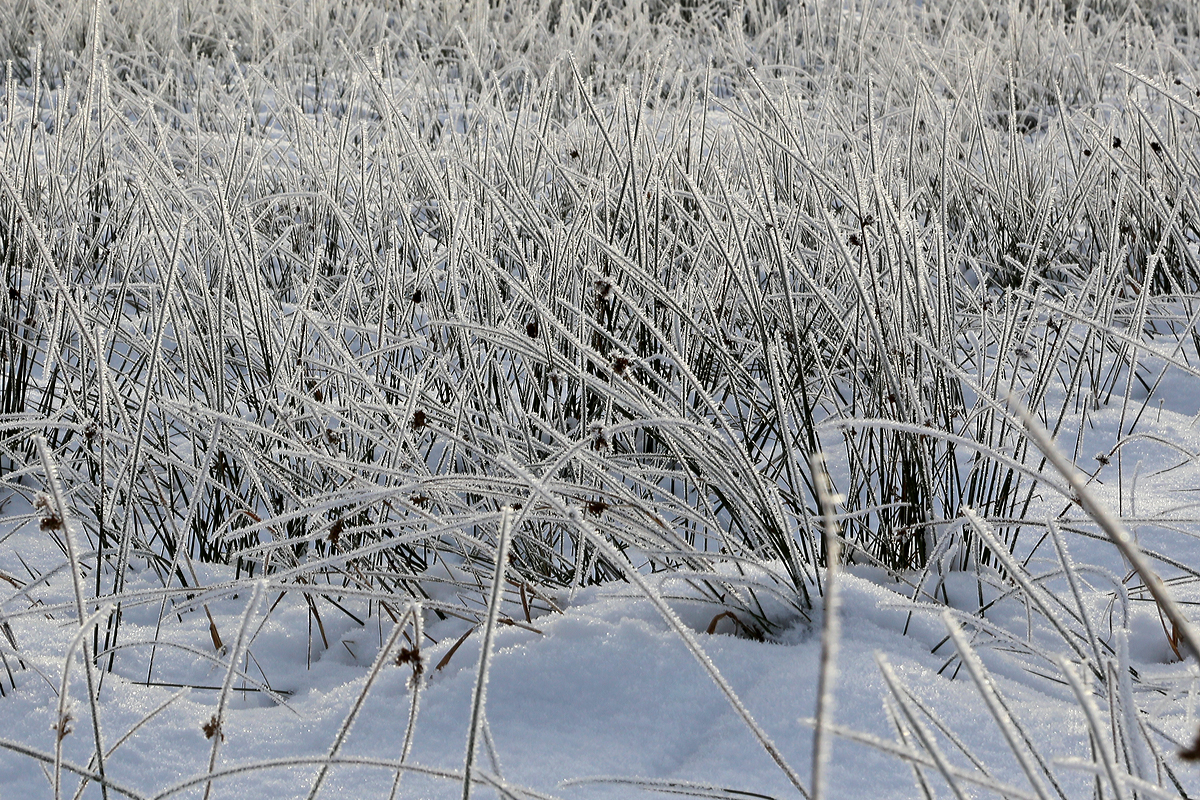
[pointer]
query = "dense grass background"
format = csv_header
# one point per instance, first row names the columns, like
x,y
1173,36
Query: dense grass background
x,y
314,289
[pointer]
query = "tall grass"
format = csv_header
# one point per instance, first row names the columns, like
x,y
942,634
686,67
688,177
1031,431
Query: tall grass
x,y
316,290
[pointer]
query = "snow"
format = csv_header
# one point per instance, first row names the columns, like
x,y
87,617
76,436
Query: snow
x,y
602,690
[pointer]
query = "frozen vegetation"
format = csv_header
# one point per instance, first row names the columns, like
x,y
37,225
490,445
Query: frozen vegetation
x,y
587,398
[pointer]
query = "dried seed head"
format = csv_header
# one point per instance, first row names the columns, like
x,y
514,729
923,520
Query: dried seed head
x,y
597,507
1116,142
420,500
531,329
417,296
599,437
1103,459
620,364
411,655
48,517
603,288
335,531
212,728
63,727
418,421
91,431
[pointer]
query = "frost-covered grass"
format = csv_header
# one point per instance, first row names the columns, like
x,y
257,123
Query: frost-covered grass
x,y
359,357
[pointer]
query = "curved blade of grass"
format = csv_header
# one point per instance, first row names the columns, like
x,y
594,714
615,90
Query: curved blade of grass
x,y
479,696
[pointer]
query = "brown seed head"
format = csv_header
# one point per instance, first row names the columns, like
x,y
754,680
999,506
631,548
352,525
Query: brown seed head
x,y
409,655
599,439
597,507
412,657
48,517
64,726
212,728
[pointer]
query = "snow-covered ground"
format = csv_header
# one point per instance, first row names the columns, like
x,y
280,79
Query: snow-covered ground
x,y
580,703
604,690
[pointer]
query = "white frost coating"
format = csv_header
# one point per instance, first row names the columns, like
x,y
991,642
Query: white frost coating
x,y
831,628
479,696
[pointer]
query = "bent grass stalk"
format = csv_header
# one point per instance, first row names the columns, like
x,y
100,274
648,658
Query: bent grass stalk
x,y
1118,535
62,519
62,727
479,695
213,728
352,715
674,622
1027,757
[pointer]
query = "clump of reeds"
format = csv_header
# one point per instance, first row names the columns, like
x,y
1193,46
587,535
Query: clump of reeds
x,y
315,291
